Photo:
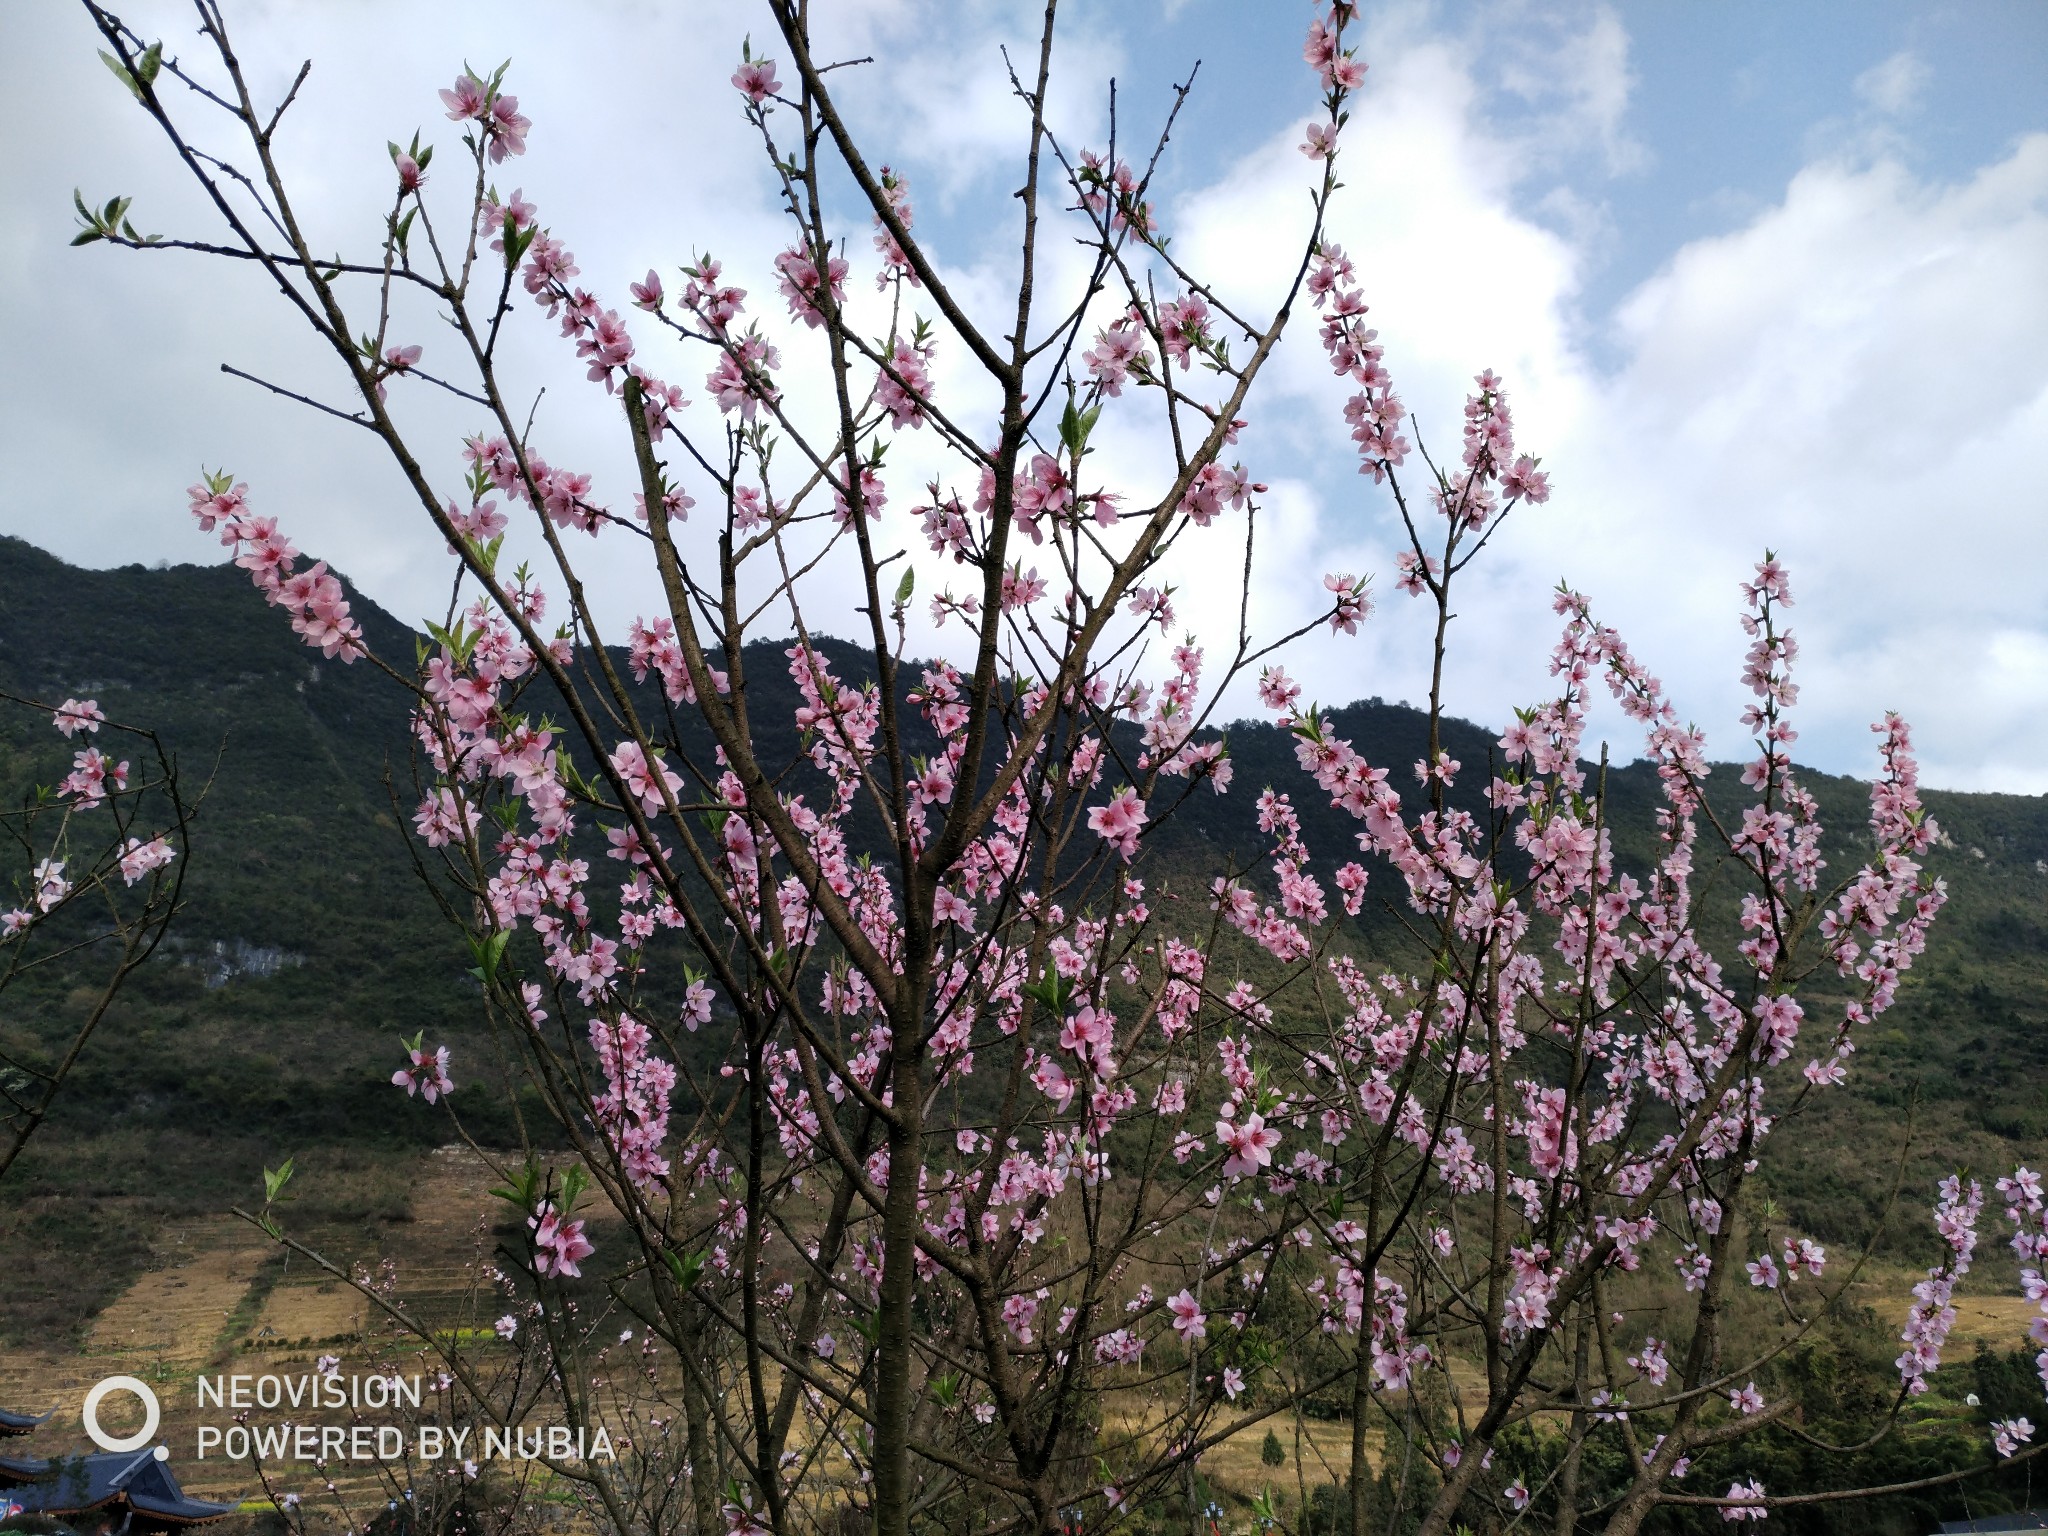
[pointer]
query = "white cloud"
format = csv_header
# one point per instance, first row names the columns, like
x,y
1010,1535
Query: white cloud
x,y
941,95
1571,68
1854,375
1893,87
1853,379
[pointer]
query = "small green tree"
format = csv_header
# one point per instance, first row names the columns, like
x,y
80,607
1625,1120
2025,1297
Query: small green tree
x,y
1272,1452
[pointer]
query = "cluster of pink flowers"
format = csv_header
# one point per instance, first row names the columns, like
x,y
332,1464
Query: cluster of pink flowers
x,y
1747,1501
808,284
473,99
1351,602
1118,353
1109,191
1092,999
1280,930
1933,1312
1334,64
425,1073
75,715
904,389
742,378
2008,1435
896,266
603,344
313,597
1213,488
2028,1212
140,858
633,1109
1489,458
92,778
1120,822
559,1246
1375,412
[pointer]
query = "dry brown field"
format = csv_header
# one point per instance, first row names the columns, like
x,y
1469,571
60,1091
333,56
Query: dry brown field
x,y
220,1297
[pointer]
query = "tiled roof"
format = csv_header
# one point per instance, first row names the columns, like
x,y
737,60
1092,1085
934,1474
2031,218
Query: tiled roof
x,y
69,1485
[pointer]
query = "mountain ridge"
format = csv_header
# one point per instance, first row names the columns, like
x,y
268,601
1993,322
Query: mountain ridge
x,y
300,854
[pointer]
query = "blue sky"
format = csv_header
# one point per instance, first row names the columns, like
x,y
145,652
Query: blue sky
x,y
1726,101
1731,100
1755,273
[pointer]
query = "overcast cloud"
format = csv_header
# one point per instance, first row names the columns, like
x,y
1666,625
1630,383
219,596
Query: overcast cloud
x,y
1842,355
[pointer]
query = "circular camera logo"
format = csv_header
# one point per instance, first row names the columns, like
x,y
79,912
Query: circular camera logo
x,y
152,1415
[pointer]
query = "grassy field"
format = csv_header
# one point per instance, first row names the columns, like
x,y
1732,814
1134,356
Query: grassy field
x,y
113,1254
220,1297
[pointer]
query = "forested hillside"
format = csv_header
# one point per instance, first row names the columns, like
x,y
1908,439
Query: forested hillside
x,y
309,943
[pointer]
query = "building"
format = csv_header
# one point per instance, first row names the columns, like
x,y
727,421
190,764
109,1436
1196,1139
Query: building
x,y
13,1473
2018,1520
130,1491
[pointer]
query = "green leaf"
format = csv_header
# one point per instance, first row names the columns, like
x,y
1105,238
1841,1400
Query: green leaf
x,y
1053,991
906,586
574,1182
1070,429
1309,726
489,953
459,641
150,63
686,1268
1075,427
525,1189
573,781
120,73
274,1181
485,555
104,223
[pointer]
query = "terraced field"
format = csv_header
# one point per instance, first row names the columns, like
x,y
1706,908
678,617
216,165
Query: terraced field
x,y
221,1298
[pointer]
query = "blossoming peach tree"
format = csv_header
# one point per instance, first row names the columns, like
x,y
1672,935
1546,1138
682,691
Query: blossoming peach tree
x,y
958,1158
92,881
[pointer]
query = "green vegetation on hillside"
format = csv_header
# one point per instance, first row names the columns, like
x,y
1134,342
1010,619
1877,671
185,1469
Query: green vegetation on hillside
x,y
309,944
